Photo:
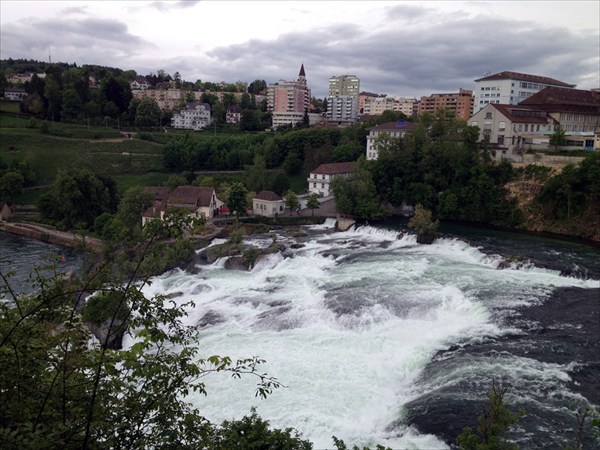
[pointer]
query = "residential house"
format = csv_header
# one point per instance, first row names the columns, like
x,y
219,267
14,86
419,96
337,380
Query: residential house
x,y
319,180
386,130
195,116
140,83
198,201
14,94
510,88
507,126
267,203
233,114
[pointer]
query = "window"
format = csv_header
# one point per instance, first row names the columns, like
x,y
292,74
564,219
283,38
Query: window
x,y
322,185
502,126
488,115
501,140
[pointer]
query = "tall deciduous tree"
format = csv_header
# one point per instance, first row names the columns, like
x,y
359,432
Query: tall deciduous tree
x,y
147,113
291,201
236,199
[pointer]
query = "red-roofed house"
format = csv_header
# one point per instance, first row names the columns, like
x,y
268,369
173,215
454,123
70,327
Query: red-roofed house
x,y
199,201
267,203
512,129
319,180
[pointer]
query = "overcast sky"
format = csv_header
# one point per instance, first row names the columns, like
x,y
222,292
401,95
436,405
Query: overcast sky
x,y
401,48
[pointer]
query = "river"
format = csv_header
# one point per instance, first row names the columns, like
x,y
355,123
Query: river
x,y
381,340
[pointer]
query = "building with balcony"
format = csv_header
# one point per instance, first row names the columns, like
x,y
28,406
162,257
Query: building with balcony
x,y
195,116
342,99
288,97
461,103
375,106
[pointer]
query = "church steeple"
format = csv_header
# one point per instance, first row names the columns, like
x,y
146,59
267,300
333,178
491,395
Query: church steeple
x,y
302,75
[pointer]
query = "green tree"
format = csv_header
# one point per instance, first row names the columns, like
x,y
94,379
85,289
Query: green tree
x,y
77,197
280,184
236,199
312,202
357,195
255,176
11,186
175,180
424,225
147,113
291,201
61,389
558,138
252,432
492,425
71,104
134,202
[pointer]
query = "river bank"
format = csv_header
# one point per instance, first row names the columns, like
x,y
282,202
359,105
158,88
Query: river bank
x,y
53,236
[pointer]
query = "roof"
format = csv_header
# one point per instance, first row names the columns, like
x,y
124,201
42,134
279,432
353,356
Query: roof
x,y
561,99
507,75
400,125
302,74
268,196
522,114
160,192
335,168
368,94
191,195
154,210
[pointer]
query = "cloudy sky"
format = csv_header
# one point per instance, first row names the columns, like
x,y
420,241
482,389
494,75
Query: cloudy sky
x,y
401,48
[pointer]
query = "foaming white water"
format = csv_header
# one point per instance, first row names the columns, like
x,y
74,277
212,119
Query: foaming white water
x,y
347,323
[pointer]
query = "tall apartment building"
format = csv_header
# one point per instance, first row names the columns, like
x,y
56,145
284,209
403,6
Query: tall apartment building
x,y
288,99
510,88
342,101
461,103
344,85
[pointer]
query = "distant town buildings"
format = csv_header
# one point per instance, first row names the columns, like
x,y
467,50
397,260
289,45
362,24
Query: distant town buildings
x,y
461,103
195,116
288,100
342,99
375,106
510,88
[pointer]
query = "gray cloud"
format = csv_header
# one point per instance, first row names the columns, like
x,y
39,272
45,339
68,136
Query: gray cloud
x,y
413,53
409,62
86,40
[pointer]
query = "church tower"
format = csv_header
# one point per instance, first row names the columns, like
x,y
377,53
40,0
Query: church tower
x,y
302,76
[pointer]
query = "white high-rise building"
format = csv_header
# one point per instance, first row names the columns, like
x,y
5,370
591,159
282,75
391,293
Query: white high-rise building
x,y
510,88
